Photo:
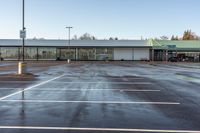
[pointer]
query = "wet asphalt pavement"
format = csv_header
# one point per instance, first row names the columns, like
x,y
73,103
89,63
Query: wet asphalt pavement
x,y
99,95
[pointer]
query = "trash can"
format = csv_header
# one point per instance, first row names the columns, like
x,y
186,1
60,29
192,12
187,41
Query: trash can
x,y
22,68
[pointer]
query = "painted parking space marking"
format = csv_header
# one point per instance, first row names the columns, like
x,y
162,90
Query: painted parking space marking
x,y
19,81
79,89
29,88
10,88
14,82
92,102
139,83
101,78
98,129
86,82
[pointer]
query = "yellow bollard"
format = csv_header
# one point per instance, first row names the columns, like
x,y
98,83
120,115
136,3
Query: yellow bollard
x,y
22,68
68,61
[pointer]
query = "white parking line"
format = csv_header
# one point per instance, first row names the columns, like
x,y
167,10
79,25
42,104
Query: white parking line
x,y
92,102
99,76
75,89
64,82
19,81
34,86
89,89
10,88
85,77
139,83
14,82
99,129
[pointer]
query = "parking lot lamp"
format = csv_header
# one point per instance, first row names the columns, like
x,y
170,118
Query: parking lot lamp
x,y
23,35
69,41
22,65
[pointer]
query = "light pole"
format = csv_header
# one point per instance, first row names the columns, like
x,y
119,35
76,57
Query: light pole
x,y
22,65
69,41
23,30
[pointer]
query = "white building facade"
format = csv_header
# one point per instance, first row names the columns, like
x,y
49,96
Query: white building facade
x,y
83,50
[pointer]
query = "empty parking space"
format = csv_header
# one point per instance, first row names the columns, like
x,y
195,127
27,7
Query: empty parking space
x,y
92,98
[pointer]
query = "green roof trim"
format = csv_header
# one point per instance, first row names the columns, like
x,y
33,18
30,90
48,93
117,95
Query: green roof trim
x,y
179,44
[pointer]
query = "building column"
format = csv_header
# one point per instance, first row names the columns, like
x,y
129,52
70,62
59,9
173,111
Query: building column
x,y
152,55
0,54
95,52
199,57
76,54
163,55
166,55
37,54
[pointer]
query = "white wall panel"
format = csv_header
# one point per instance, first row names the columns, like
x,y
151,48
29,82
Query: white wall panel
x,y
123,54
141,53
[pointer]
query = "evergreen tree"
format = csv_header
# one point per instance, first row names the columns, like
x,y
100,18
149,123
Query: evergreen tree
x,y
173,38
111,38
176,38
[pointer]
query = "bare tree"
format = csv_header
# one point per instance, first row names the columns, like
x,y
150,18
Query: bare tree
x,y
87,36
164,38
75,37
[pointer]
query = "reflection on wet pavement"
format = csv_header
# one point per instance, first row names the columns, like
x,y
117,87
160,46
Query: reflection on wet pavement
x,y
95,95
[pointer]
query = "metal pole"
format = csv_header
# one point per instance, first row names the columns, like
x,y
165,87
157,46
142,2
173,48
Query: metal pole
x,y
23,28
69,41
22,65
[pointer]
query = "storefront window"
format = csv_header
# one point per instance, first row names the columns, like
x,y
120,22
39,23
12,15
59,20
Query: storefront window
x,y
87,54
68,54
47,53
30,53
9,53
104,54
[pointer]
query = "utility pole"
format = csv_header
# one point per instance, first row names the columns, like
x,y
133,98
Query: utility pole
x,y
69,41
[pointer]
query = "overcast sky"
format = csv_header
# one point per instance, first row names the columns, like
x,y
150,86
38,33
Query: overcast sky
x,y
126,19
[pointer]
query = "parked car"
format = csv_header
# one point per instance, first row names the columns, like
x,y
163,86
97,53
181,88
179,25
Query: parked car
x,y
173,59
190,59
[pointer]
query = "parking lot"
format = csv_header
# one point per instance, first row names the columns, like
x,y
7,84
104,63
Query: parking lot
x,y
100,97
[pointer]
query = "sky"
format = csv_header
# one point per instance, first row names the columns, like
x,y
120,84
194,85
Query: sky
x,y
125,19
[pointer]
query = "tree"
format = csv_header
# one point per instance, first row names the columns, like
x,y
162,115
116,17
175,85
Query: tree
x,y
87,36
174,38
189,35
94,38
164,38
111,38
75,37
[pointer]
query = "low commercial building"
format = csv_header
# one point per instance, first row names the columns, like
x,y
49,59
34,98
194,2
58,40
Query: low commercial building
x,y
81,50
85,50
